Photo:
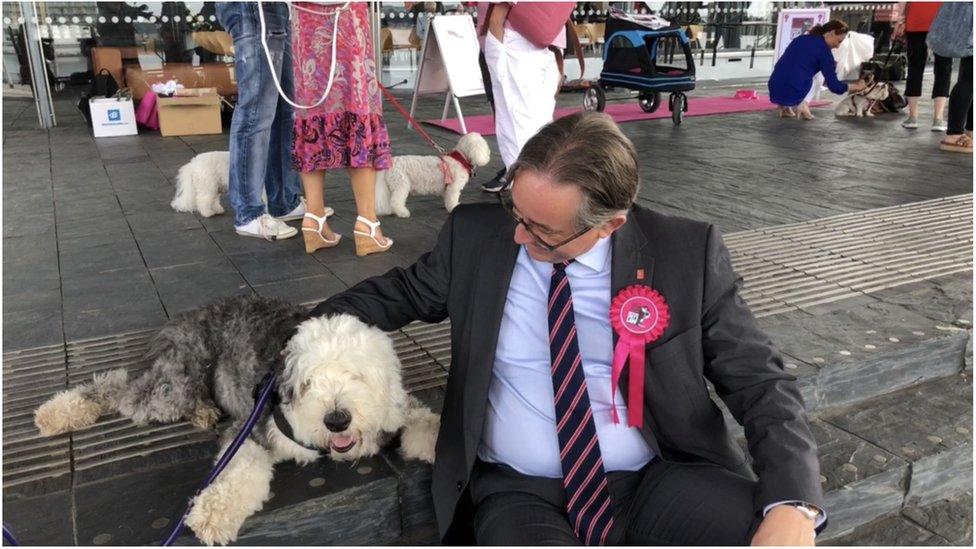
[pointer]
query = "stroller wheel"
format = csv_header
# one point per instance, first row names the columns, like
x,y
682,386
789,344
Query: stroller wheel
x,y
679,104
649,101
594,98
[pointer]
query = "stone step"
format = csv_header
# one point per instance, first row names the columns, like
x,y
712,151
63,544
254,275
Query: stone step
x,y
867,346
902,460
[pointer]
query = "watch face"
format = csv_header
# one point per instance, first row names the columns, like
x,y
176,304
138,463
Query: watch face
x,y
808,512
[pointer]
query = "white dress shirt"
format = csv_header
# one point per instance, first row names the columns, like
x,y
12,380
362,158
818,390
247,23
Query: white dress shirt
x,y
520,422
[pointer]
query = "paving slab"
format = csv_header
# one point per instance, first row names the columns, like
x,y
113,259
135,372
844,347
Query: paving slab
x,y
313,289
90,323
178,248
187,287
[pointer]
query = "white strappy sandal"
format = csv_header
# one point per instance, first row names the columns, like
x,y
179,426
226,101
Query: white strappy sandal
x,y
314,239
366,243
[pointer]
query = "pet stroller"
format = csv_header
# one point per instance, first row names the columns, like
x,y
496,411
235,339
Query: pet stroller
x,y
632,46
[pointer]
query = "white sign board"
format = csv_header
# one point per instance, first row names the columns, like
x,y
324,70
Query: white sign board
x,y
112,117
795,22
449,62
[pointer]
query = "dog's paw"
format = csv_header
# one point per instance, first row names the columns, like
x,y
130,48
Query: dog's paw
x,y
402,212
205,416
214,518
65,412
419,436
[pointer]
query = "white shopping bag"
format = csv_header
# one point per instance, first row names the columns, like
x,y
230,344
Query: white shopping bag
x,y
112,117
856,49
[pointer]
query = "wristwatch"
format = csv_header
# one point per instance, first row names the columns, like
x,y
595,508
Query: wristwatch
x,y
806,510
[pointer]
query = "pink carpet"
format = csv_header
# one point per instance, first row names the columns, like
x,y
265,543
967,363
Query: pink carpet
x,y
628,111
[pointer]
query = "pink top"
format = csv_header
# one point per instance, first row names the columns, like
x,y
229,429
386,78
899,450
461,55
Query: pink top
x,y
556,19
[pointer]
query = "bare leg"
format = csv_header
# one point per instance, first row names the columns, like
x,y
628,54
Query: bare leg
x,y
939,109
804,111
313,184
364,189
913,106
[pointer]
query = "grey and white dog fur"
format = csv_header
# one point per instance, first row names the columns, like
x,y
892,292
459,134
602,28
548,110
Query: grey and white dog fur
x,y
422,175
339,385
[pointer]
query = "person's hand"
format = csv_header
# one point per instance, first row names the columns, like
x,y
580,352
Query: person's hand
x,y
856,86
496,23
785,525
899,31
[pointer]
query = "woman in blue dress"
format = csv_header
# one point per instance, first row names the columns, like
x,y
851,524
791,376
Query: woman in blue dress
x,y
791,83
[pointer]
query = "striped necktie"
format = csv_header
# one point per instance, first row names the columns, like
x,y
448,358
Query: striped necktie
x,y
589,510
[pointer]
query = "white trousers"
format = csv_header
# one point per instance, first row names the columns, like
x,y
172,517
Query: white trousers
x,y
523,80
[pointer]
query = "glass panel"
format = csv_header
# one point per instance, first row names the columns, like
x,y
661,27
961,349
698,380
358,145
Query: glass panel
x,y
16,70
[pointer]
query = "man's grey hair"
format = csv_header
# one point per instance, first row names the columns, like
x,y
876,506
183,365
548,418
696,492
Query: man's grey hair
x,y
587,150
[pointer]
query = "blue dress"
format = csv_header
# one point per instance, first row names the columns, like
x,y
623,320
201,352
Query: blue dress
x,y
793,74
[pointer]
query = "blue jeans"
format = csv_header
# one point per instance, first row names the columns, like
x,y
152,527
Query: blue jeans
x,y
261,131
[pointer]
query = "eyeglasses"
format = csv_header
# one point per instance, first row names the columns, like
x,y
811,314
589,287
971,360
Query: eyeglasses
x,y
505,198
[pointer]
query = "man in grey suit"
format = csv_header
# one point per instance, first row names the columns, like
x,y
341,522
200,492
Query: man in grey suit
x,y
537,443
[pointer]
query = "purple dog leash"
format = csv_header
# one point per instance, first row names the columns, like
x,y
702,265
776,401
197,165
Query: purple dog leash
x,y
267,389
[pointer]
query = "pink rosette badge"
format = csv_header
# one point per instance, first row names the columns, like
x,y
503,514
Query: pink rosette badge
x,y
639,315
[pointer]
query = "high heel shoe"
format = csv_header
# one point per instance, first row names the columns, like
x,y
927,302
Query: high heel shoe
x,y
314,239
366,243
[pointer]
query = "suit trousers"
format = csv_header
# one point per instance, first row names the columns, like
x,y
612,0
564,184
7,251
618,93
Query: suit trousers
x,y
664,503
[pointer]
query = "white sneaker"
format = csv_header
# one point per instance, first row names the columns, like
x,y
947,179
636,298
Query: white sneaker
x,y
266,227
299,212
939,125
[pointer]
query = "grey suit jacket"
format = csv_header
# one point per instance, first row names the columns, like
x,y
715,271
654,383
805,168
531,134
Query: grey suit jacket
x,y
712,335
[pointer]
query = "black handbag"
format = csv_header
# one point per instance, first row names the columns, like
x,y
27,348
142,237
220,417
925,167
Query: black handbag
x,y
103,85
895,101
890,69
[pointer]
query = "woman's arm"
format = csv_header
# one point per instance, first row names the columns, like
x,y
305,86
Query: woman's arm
x,y
828,67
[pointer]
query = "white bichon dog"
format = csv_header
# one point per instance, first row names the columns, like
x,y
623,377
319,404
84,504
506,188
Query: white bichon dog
x,y
340,392
200,182
444,175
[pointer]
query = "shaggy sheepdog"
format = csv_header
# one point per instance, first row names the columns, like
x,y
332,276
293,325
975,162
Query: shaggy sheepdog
x,y
444,175
339,391
200,182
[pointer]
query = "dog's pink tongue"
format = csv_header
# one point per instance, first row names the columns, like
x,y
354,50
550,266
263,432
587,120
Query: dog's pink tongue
x,y
341,441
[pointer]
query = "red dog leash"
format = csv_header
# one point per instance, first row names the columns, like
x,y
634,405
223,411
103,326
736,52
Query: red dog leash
x,y
418,127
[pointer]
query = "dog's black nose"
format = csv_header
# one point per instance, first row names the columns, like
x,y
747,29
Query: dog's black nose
x,y
338,421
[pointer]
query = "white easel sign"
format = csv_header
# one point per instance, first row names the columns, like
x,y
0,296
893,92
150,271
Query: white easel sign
x,y
449,63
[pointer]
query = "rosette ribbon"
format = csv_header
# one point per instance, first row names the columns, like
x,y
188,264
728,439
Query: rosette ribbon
x,y
639,315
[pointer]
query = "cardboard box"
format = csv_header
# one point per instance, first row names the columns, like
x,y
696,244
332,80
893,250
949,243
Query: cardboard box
x,y
193,111
207,75
112,117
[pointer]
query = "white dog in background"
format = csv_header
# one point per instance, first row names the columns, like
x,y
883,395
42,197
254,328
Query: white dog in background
x,y
426,175
200,183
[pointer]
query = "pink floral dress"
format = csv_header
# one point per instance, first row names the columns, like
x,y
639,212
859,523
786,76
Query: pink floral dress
x,y
347,130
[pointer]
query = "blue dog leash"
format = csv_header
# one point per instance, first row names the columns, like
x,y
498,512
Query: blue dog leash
x,y
8,536
267,389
